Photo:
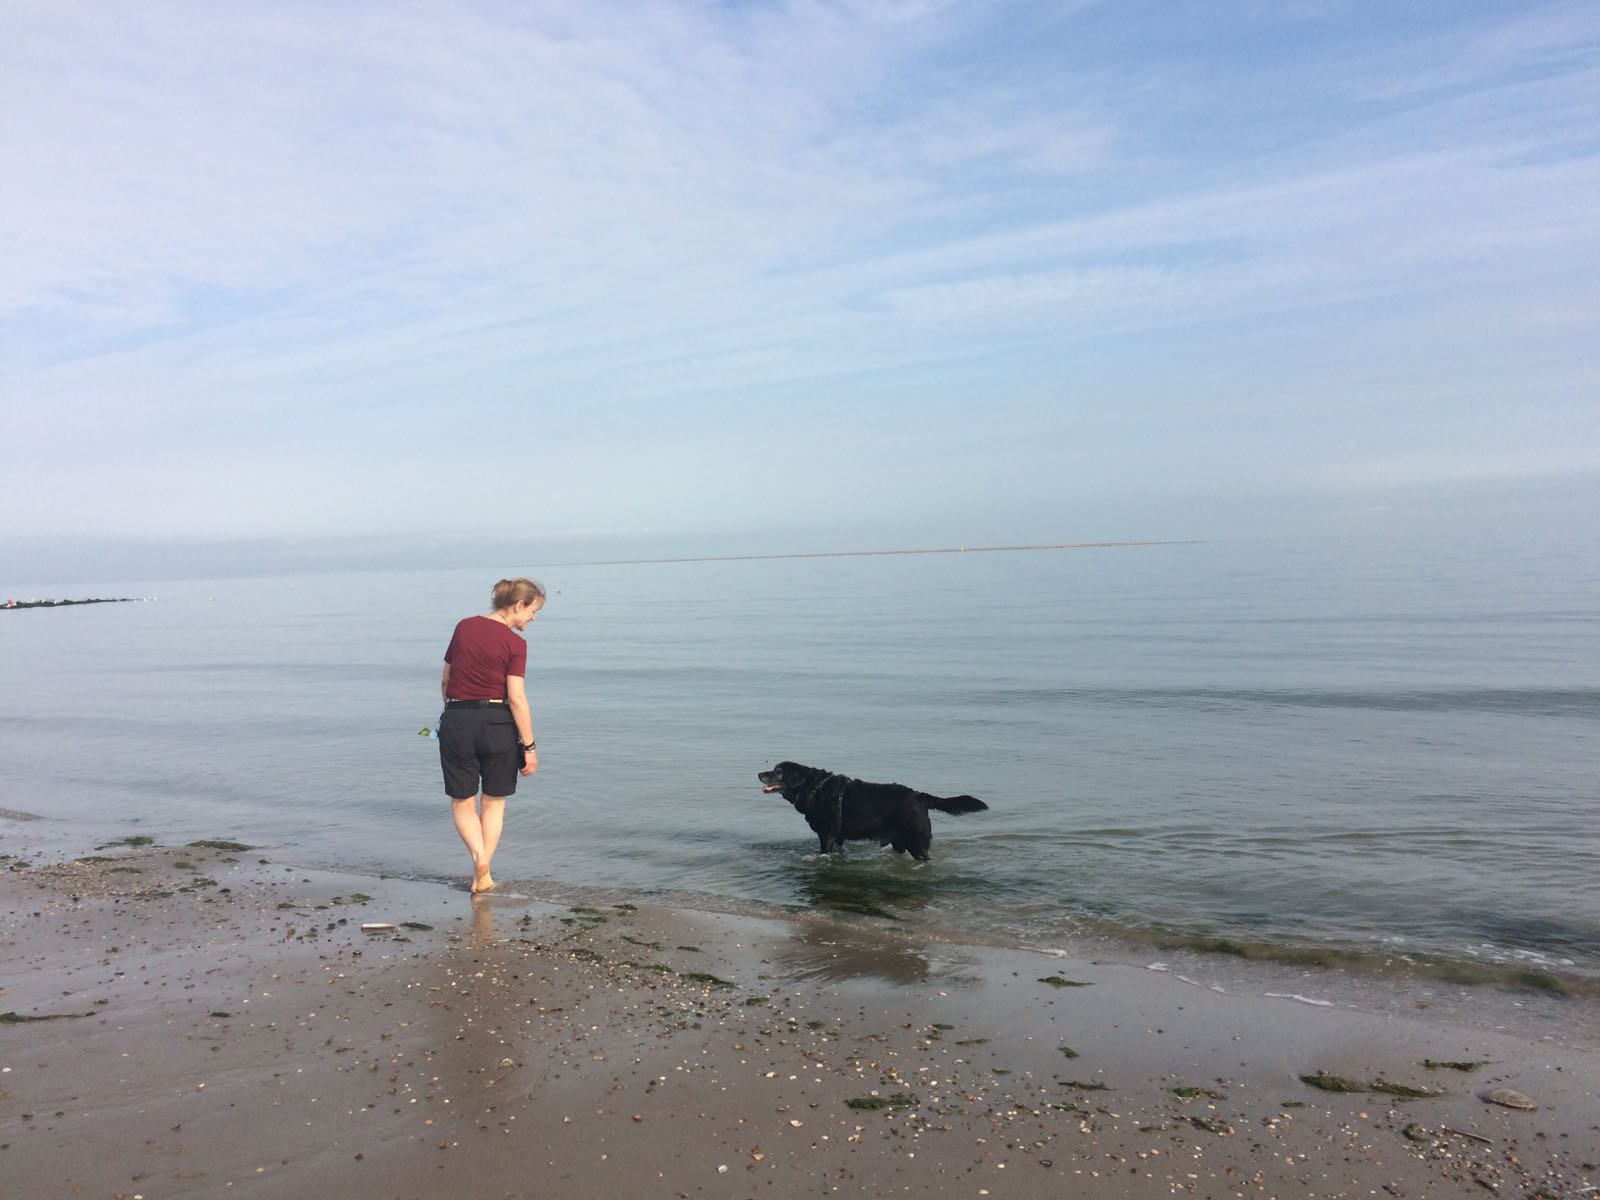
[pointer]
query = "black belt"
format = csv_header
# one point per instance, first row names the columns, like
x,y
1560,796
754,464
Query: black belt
x,y
471,703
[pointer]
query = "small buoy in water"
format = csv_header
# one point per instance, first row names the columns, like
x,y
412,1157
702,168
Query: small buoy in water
x,y
1506,1098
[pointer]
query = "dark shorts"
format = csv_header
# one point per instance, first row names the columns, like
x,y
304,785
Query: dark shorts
x,y
478,751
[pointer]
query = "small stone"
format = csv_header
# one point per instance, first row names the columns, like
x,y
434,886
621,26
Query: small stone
x,y
1507,1098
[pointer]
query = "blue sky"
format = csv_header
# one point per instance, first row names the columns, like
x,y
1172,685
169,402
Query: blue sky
x,y
826,274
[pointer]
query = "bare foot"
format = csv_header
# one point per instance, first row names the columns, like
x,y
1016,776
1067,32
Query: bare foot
x,y
482,881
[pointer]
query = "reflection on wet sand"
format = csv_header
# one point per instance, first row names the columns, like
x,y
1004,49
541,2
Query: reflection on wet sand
x,y
872,888
484,930
833,952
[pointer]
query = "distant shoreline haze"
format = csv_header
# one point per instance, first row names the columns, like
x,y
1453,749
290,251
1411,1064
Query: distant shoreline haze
x,y
1503,512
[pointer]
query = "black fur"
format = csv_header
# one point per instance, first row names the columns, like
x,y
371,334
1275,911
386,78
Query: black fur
x,y
841,809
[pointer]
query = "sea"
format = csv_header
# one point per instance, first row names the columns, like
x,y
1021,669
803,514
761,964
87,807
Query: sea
x,y
1343,760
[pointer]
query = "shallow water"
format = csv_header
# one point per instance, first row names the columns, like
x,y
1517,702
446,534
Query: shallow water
x,y
1338,752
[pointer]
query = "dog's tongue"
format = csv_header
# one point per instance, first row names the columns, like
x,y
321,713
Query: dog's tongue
x,y
769,789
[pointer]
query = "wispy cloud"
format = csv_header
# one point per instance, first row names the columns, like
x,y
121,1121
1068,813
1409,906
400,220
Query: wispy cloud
x,y
231,230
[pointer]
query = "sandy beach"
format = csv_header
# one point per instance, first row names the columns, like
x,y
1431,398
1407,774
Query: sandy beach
x,y
204,1021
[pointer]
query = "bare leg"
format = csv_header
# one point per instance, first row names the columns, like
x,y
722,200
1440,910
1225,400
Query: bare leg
x,y
465,814
491,817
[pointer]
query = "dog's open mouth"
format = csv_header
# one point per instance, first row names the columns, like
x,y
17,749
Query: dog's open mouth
x,y
769,787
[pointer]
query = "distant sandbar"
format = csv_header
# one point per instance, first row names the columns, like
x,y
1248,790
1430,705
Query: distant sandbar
x,y
64,603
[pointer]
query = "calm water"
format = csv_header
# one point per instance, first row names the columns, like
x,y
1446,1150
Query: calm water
x,y
1326,746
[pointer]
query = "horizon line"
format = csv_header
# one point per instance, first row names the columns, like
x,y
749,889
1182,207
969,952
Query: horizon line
x,y
643,562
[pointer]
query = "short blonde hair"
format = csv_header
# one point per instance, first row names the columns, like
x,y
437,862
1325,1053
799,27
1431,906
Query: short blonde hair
x,y
509,593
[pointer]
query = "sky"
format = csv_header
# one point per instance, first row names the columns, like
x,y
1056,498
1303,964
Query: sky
x,y
804,275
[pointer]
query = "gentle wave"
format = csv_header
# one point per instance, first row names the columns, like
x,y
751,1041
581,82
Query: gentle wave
x,y
1550,979
1540,702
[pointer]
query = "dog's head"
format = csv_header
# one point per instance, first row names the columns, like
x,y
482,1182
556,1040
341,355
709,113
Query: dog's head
x,y
787,778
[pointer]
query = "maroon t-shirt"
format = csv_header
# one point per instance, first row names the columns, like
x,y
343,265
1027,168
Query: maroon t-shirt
x,y
482,653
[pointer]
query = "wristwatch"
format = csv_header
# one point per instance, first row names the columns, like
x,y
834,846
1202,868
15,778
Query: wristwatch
x,y
526,746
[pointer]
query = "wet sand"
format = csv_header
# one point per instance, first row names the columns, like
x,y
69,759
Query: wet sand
x,y
207,1022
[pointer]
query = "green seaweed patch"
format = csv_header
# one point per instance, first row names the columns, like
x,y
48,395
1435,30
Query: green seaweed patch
x,y
1056,981
136,840
126,871
16,1018
222,1016
815,1025
586,954
1000,1070
1194,1093
752,1001
1327,1082
1403,1091
1437,1065
1214,1125
626,908
706,978
218,844
877,1103
633,941
1541,981
1068,1106
417,925
1086,1085
973,1042
690,949
185,866
93,860
1068,1051
1531,979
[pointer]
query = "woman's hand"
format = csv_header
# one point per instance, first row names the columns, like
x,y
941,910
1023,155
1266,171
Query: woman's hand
x,y
530,761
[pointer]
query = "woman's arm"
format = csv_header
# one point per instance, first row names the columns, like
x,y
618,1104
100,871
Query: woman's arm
x,y
517,701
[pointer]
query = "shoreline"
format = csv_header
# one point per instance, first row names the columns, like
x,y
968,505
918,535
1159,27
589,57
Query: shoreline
x,y
195,1018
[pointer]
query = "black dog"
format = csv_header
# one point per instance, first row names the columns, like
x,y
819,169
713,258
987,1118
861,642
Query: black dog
x,y
839,808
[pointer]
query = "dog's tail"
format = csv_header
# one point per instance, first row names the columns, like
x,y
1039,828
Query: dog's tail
x,y
956,805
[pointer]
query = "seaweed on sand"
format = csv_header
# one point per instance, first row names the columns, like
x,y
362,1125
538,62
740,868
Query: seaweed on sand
x,y
1328,1082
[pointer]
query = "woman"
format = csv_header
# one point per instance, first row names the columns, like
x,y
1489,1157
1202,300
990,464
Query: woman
x,y
486,732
